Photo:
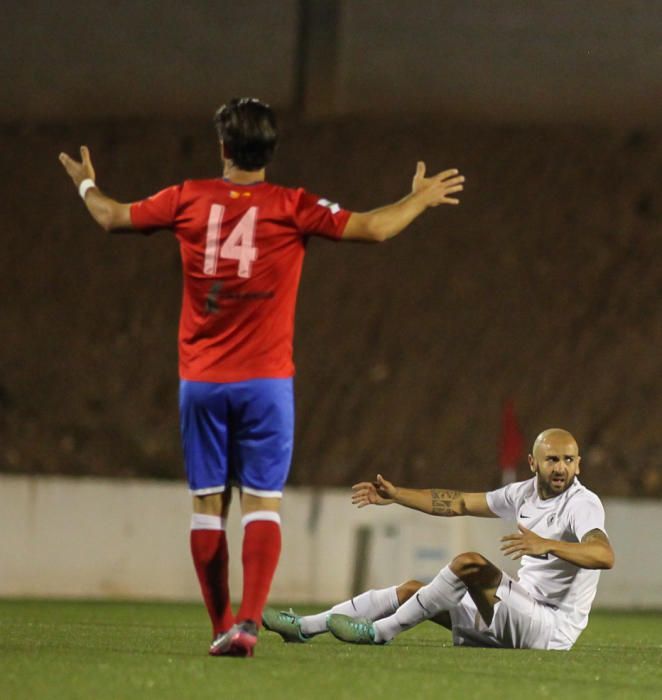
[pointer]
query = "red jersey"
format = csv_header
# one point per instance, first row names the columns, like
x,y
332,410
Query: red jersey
x,y
242,249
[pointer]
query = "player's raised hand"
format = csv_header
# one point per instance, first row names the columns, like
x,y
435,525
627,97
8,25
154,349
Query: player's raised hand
x,y
524,542
436,189
78,170
379,492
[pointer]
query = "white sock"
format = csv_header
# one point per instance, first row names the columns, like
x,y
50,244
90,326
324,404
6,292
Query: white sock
x,y
444,592
372,604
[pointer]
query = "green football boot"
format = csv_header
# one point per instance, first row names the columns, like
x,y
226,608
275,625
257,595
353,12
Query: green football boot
x,y
286,624
355,630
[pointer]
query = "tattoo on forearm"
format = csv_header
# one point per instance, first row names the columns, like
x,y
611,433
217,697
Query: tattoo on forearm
x,y
442,501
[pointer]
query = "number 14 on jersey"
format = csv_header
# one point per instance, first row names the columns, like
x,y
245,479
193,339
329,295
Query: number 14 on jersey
x,y
239,245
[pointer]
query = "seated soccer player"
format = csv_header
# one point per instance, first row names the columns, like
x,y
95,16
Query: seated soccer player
x,y
561,541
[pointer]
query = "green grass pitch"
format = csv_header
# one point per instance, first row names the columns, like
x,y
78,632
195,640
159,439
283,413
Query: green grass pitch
x,y
99,650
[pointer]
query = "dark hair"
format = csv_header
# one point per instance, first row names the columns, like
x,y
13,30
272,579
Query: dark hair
x,y
247,128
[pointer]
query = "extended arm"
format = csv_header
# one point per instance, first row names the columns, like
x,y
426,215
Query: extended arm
x,y
593,552
108,213
442,502
381,224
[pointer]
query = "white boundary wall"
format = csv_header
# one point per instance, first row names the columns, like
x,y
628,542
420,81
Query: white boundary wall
x,y
98,538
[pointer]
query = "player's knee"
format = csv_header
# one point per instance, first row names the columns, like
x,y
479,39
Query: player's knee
x,y
468,564
251,504
210,504
407,589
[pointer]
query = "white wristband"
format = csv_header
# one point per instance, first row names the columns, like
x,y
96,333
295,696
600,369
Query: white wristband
x,y
87,184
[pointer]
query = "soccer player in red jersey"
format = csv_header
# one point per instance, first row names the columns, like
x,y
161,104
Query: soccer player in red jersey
x,y
242,242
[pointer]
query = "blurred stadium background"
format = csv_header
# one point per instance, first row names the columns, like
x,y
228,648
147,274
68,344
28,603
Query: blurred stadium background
x,y
542,291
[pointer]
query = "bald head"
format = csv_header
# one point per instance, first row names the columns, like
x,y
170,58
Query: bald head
x,y
556,438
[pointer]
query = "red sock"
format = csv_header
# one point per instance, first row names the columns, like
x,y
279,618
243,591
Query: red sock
x,y
210,557
260,553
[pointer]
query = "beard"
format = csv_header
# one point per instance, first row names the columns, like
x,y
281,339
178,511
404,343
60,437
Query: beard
x,y
554,485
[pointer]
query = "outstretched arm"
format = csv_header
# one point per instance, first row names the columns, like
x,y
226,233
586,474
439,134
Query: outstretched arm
x,y
593,552
381,224
108,213
442,502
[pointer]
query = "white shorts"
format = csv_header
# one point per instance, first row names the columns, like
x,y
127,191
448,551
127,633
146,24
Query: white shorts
x,y
519,622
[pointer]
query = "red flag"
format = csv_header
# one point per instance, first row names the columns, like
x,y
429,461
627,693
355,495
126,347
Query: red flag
x,y
512,442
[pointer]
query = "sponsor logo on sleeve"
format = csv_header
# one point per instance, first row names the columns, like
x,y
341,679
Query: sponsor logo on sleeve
x,y
335,208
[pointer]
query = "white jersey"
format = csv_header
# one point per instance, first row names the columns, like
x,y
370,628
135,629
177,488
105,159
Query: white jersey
x,y
568,517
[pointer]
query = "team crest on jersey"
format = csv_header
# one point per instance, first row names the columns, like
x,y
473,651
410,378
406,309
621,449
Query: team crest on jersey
x,y
335,208
550,519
